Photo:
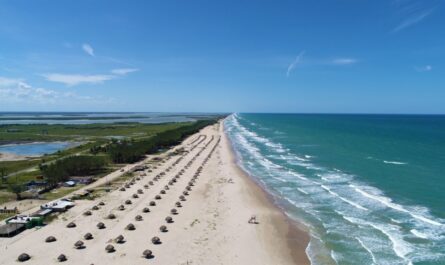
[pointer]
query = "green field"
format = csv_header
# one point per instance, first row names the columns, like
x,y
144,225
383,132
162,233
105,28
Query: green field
x,y
69,132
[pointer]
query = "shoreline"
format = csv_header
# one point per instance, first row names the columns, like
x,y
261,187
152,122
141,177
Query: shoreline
x,y
292,228
211,226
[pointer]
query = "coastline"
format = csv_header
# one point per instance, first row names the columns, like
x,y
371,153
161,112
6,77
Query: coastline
x,y
297,238
211,226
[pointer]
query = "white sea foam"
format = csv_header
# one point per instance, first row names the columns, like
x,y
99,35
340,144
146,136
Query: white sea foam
x,y
400,247
330,190
394,162
374,261
419,234
388,202
358,206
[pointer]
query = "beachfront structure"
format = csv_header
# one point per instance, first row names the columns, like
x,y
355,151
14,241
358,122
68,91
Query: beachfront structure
x,y
27,220
10,230
58,206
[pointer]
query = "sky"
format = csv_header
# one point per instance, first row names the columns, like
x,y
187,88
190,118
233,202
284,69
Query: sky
x,y
318,56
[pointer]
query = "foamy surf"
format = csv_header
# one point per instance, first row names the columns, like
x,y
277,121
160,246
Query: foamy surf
x,y
377,229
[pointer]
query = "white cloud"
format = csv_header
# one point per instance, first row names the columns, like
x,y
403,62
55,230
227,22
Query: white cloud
x,y
344,61
88,49
76,79
297,60
425,68
4,81
13,91
124,71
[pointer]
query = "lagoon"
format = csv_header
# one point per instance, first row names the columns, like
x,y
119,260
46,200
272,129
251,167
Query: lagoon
x,y
35,149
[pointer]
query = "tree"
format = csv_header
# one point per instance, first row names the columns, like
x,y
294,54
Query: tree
x,y
3,174
17,189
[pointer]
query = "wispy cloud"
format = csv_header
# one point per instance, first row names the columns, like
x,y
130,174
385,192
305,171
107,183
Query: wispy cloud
x,y
88,49
344,61
297,60
76,79
425,68
412,12
412,20
124,71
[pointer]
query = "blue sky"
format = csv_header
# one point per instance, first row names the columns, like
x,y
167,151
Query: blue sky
x,y
347,56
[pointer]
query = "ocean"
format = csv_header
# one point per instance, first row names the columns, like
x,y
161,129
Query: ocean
x,y
370,188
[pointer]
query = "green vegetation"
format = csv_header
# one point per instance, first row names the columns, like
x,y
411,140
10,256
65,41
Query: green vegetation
x,y
84,132
99,154
60,170
132,151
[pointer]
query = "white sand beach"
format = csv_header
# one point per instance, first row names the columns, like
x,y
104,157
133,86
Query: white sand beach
x,y
210,227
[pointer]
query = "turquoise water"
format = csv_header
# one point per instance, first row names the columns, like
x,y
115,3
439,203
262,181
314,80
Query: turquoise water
x,y
369,187
35,149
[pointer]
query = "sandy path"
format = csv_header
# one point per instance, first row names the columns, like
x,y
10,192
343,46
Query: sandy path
x,y
211,227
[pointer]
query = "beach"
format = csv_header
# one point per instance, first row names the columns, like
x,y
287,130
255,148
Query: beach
x,y
210,227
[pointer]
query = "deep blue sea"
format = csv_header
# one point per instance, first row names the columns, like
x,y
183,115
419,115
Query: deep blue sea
x,y
370,188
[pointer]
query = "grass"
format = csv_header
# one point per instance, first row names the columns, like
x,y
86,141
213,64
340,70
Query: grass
x,y
6,196
4,216
60,192
61,132
90,134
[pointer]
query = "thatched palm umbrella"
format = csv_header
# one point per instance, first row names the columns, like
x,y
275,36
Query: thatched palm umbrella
x,y
50,239
128,202
88,236
146,210
178,204
138,218
62,258
158,197
182,198
87,213
109,249
71,225
162,192
23,257
119,239
188,188
127,186
163,228
146,186
152,203
168,219
101,203
156,240
174,211
79,244
130,227
122,189
185,192
111,216
100,225
151,183
135,196
140,191
147,254
166,187
121,207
